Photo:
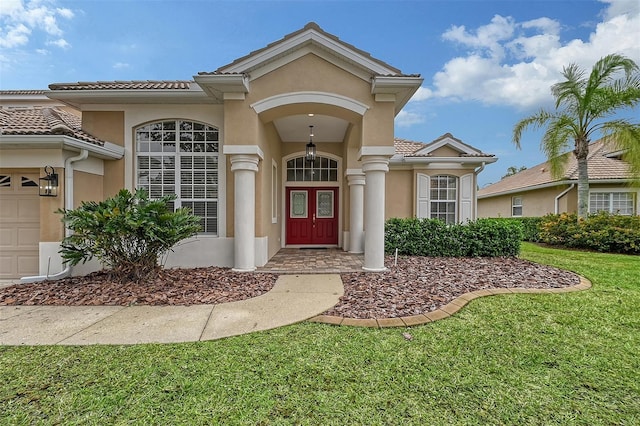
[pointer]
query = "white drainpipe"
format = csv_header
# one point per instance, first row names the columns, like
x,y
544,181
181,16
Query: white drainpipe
x,y
562,194
68,204
477,172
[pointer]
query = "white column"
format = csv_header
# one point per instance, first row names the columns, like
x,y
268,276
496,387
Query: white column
x,y
374,168
244,168
356,210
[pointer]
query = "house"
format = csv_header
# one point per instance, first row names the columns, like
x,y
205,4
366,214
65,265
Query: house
x,y
291,145
535,192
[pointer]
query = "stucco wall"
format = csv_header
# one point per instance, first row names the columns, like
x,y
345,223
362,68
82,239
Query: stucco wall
x,y
399,194
534,203
108,126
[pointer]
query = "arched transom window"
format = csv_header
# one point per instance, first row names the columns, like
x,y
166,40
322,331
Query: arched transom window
x,y
181,157
323,169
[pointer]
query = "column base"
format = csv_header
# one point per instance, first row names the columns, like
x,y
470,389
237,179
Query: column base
x,y
375,269
243,270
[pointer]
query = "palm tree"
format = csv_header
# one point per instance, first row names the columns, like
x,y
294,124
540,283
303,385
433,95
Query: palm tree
x,y
582,108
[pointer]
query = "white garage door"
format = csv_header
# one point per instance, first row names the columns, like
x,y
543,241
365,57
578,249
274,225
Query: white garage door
x,y
19,225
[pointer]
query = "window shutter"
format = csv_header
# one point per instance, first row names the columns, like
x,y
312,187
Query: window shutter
x,y
466,198
422,193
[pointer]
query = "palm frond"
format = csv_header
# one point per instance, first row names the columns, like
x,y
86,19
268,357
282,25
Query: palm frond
x,y
536,121
555,142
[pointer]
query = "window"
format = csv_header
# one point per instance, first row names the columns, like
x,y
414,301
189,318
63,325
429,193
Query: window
x,y
443,198
612,202
181,157
323,169
516,206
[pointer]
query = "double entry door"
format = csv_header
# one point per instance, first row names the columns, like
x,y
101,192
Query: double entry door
x,y
312,216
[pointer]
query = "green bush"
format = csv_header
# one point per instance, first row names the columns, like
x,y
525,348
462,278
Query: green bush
x,y
432,237
603,232
530,228
128,233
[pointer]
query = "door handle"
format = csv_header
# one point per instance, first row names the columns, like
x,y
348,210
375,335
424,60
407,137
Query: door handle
x,y
314,219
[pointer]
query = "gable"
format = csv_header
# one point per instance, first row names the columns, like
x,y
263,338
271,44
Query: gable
x,y
447,143
310,39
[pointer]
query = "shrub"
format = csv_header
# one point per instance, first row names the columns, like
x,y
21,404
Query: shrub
x,y
432,237
128,233
602,232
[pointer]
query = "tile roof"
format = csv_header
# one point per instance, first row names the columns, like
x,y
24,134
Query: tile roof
x,y
22,92
406,147
125,85
601,166
44,121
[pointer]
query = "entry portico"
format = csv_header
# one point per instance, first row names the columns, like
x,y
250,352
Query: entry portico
x,y
270,98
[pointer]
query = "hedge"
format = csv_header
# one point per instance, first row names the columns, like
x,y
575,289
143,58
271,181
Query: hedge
x,y
603,232
432,237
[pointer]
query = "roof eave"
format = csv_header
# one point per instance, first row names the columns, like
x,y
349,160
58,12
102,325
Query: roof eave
x,y
108,151
399,160
78,97
216,85
401,87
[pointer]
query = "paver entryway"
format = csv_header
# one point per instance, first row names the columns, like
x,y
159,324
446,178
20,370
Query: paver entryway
x,y
313,261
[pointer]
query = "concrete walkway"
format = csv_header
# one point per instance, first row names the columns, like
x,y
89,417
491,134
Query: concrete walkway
x,y
294,298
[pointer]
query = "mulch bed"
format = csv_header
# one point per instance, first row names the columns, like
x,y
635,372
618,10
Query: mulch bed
x,y
416,285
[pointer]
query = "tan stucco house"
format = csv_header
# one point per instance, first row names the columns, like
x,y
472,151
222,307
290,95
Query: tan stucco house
x,y
535,192
232,144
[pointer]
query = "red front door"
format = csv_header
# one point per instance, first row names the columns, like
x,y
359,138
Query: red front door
x,y
312,216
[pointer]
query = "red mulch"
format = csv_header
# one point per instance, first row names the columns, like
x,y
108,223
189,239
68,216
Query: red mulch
x,y
416,285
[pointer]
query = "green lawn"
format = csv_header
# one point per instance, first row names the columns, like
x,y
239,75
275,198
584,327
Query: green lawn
x,y
514,359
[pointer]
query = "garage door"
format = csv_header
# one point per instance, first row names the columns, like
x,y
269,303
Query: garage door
x,y
19,225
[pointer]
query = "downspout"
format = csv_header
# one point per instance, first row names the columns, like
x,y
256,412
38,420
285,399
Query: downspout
x,y
475,199
556,204
68,205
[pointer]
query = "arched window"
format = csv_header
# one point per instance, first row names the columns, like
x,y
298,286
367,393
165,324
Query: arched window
x,y
444,198
323,169
181,157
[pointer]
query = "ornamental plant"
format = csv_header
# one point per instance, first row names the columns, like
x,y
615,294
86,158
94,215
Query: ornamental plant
x,y
127,233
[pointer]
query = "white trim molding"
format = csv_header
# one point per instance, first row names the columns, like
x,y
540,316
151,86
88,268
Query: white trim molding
x,y
309,97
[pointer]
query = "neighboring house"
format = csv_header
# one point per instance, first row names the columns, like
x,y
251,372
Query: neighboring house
x,y
534,192
232,145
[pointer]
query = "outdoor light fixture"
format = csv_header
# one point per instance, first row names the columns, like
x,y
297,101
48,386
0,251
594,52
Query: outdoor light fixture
x,y
311,148
49,183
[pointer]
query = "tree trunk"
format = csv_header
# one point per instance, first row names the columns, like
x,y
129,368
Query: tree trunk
x,y
582,153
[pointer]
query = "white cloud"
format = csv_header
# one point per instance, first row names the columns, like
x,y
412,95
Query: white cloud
x,y
20,19
120,65
61,43
406,119
515,63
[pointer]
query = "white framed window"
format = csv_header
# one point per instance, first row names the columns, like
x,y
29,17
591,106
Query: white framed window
x,y
616,202
443,195
274,192
181,157
323,169
516,206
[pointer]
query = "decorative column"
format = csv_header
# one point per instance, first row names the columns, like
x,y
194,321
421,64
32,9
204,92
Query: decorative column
x,y
356,180
374,168
244,168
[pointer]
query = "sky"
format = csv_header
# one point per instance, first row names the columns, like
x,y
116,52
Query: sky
x,y
485,64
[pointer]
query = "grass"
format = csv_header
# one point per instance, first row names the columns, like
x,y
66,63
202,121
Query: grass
x,y
513,359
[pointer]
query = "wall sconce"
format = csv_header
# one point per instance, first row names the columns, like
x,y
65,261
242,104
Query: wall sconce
x,y
310,154
49,183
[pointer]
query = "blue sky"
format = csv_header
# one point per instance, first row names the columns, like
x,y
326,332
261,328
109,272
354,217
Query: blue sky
x,y
485,64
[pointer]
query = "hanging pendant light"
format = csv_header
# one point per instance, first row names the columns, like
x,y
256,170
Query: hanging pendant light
x,y
310,155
